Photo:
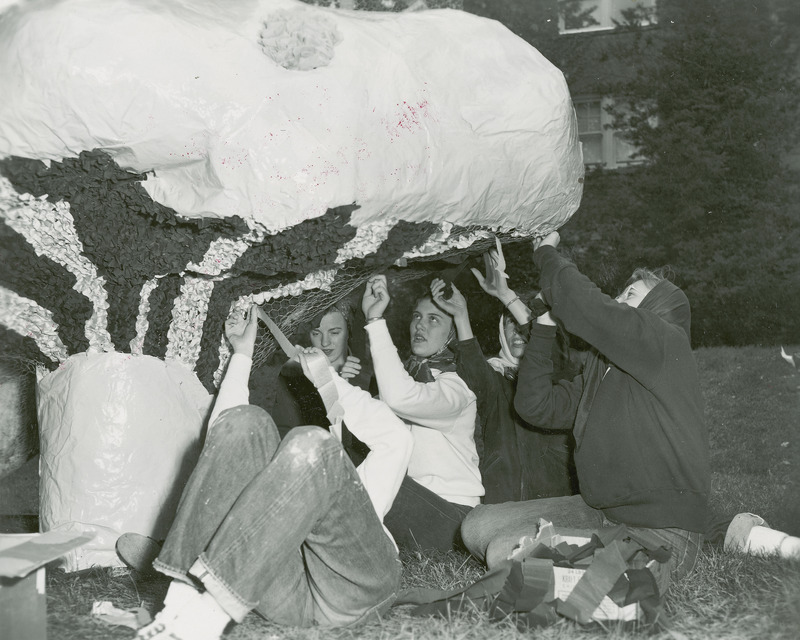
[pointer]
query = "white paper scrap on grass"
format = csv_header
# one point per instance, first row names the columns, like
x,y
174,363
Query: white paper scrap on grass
x,y
433,115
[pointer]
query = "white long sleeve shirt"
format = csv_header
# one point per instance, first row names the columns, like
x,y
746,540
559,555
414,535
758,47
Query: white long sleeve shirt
x,y
369,419
441,416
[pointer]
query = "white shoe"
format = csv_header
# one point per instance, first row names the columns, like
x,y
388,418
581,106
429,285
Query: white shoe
x,y
200,618
178,596
749,533
157,626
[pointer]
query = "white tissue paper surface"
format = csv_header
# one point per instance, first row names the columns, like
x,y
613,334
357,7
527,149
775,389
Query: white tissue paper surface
x,y
275,110
120,435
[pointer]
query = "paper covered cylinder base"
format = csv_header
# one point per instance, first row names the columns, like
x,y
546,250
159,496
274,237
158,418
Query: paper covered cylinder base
x,y
120,435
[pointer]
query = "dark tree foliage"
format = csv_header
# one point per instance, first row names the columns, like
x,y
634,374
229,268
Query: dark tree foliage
x,y
713,107
712,102
714,95
536,21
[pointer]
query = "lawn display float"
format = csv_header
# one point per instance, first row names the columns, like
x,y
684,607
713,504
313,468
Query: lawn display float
x,y
163,165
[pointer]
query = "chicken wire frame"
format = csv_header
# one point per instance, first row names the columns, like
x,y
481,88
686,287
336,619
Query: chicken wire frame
x,y
289,312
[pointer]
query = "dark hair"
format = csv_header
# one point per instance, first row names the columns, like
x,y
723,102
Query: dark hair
x,y
508,318
453,334
428,296
425,295
343,306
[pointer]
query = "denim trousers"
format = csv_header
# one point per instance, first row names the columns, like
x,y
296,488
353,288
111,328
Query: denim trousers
x,y
283,527
421,519
491,531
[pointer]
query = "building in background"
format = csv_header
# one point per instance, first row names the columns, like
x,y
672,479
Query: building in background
x,y
577,36
388,5
591,28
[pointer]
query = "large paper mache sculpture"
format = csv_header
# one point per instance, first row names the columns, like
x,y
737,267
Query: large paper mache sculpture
x,y
163,164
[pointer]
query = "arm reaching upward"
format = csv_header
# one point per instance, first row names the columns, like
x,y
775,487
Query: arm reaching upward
x,y
495,283
539,401
456,306
233,391
630,338
429,404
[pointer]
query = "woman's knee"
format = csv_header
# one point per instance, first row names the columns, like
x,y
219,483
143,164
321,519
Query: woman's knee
x,y
473,532
309,446
501,547
245,425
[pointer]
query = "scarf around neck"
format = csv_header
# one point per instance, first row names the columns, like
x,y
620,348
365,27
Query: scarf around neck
x,y
419,368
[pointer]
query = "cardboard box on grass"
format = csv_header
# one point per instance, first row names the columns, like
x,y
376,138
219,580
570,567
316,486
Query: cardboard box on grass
x,y
565,578
23,603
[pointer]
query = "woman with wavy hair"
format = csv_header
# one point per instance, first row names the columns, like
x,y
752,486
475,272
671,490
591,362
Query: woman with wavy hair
x,y
337,334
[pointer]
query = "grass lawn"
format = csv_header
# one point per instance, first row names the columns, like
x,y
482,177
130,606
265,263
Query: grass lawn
x,y
753,414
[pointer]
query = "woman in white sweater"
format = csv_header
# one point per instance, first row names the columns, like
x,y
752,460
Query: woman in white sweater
x,y
443,482
290,529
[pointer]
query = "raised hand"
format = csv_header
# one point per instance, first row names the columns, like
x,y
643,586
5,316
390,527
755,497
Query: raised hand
x,y
550,240
456,305
495,282
241,329
303,355
351,368
376,297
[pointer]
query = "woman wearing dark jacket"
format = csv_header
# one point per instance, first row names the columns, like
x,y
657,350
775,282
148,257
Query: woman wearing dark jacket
x,y
518,461
636,413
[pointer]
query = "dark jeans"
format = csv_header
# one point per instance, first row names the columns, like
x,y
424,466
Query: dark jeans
x,y
420,519
283,527
491,531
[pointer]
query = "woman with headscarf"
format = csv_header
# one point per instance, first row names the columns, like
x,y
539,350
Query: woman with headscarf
x,y
636,413
518,461
443,482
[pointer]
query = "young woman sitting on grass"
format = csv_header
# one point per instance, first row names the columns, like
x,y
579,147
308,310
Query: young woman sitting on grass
x,y
290,529
443,482
636,412
637,416
518,462
297,401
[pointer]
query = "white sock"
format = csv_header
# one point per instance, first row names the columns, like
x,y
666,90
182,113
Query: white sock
x,y
766,541
790,547
199,619
178,594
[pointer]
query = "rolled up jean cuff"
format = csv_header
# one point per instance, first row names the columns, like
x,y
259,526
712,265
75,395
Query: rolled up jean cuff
x,y
237,608
172,572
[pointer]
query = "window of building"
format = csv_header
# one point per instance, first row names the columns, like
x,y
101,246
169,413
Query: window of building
x,y
577,16
590,130
602,145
